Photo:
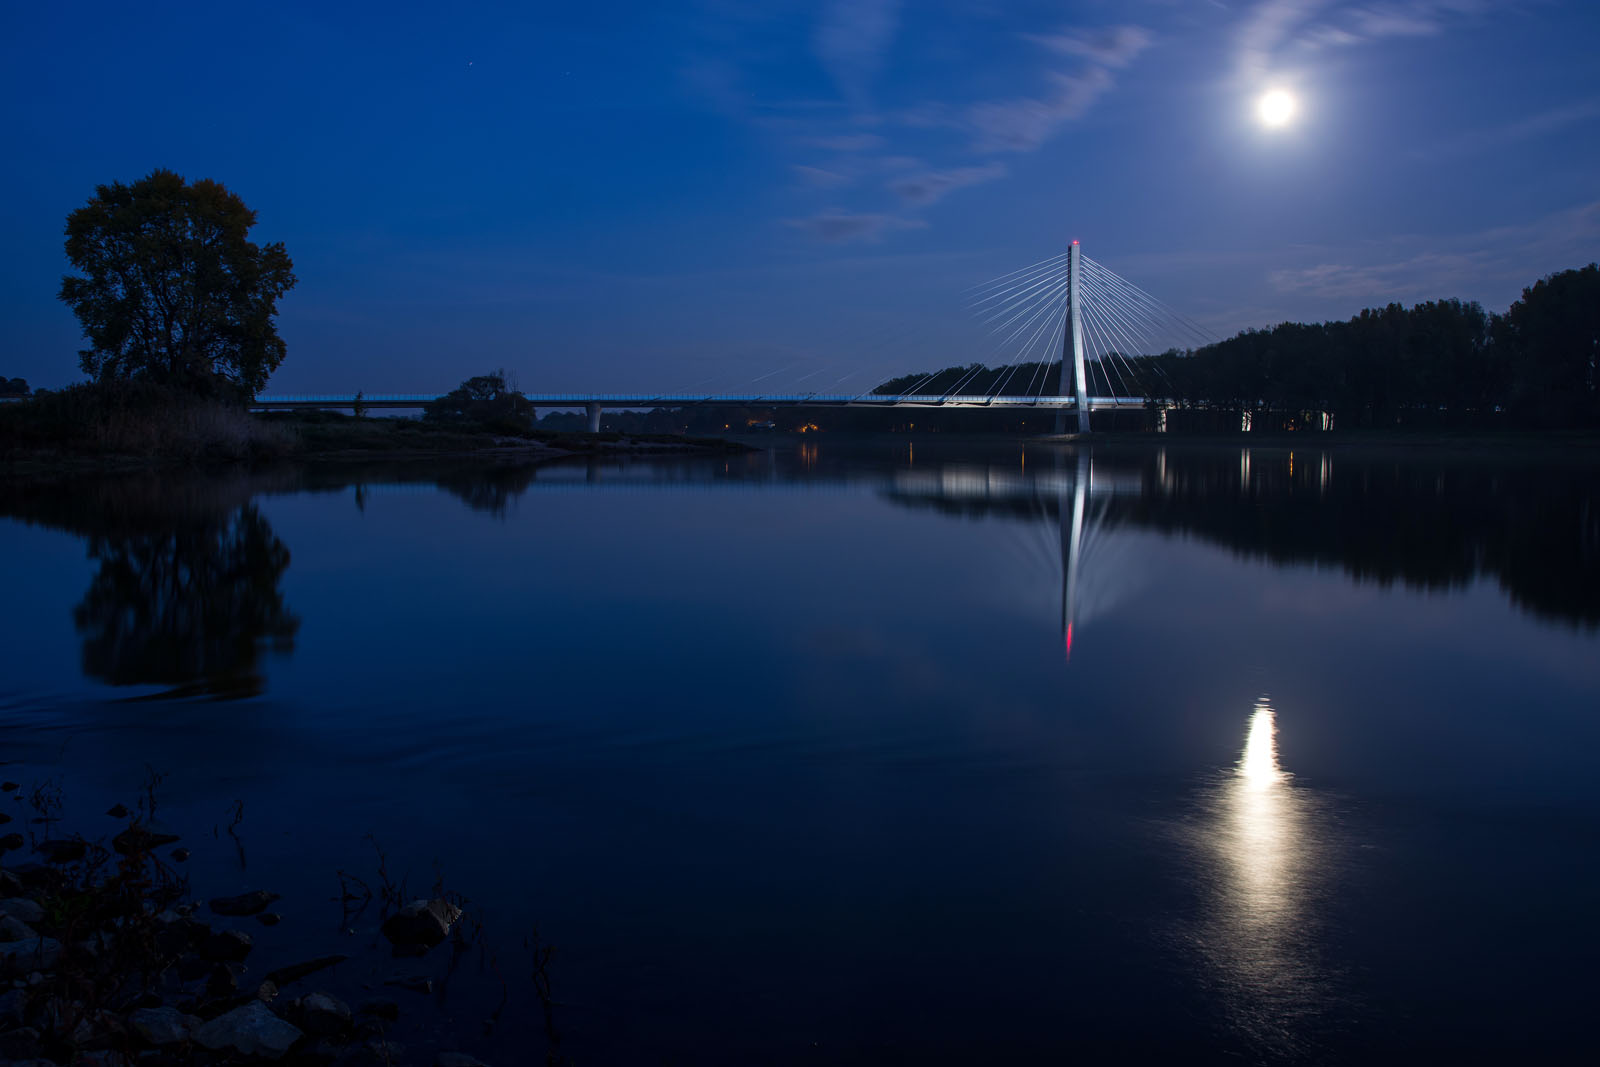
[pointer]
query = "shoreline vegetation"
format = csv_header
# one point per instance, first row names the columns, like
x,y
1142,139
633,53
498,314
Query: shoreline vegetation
x,y
112,426
109,958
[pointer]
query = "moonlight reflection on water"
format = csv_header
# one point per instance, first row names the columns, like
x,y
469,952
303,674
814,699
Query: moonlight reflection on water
x,y
1267,867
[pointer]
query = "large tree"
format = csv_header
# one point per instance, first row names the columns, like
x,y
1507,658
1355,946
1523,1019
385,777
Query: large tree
x,y
172,289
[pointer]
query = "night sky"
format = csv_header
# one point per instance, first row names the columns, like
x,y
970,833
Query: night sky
x,y
636,196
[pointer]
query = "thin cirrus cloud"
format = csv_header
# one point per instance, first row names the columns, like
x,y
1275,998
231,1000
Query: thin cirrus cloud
x,y
842,227
851,40
1276,28
1024,124
927,187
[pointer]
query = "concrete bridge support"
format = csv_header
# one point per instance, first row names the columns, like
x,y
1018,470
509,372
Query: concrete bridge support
x,y
594,418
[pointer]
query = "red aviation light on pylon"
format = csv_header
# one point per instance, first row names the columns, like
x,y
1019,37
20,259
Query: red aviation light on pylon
x,y
1069,625
1074,242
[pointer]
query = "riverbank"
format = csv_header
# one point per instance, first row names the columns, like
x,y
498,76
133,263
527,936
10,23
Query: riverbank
x,y
86,431
108,958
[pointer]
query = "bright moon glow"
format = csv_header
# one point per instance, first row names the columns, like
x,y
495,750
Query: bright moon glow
x,y
1276,108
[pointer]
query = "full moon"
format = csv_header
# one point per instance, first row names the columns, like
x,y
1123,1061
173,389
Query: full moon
x,y
1276,108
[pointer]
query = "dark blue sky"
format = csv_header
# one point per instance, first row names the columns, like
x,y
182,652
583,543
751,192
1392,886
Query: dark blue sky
x,y
661,196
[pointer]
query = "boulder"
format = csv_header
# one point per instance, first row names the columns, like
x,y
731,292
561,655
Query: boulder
x,y
243,904
11,842
180,855
380,1008
62,850
227,946
414,982
251,1031
162,1026
136,839
20,1044
269,918
421,923
28,911
14,929
34,954
119,811
13,1008
324,1015
296,971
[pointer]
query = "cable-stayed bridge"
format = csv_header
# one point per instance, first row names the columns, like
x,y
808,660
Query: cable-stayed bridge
x,y
1074,335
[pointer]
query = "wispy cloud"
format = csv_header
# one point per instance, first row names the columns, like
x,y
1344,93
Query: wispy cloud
x,y
840,227
821,178
1022,125
851,40
1113,47
850,142
1495,260
920,190
1276,29
1025,123
1523,129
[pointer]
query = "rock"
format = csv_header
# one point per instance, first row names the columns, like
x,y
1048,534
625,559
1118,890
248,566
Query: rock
x,y
414,983
243,904
180,855
9,787
11,842
177,933
36,876
118,811
296,971
385,1052
62,850
102,1058
267,992
10,884
29,911
380,1008
19,957
228,946
162,1026
325,1015
422,923
14,929
251,1030
13,1008
222,981
136,839
20,1044
456,1059
4,818
269,918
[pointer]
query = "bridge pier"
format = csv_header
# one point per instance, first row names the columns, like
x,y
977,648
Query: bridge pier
x,y
594,418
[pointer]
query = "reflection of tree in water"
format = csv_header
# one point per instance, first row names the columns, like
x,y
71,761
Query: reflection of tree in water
x,y
192,608
1430,523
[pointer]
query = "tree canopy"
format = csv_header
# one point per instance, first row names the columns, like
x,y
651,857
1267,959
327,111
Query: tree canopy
x,y
172,289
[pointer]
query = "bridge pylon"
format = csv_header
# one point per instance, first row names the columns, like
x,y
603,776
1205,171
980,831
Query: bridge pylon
x,y
1072,342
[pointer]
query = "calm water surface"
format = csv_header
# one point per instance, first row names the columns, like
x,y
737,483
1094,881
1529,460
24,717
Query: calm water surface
x,y
874,752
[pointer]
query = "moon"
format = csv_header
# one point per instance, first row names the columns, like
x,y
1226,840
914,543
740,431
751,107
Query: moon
x,y
1276,108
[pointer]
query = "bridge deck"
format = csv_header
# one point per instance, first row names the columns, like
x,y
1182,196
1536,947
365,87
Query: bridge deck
x,y
287,401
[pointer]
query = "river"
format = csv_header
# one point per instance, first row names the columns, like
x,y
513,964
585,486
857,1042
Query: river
x,y
878,751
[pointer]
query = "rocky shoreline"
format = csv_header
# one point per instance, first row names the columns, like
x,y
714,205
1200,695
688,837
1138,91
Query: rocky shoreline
x,y
106,960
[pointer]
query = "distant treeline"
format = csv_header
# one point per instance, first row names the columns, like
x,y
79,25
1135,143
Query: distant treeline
x,y
13,386
1441,363
1444,364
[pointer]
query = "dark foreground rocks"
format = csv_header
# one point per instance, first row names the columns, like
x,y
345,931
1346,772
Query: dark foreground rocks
x,y
105,962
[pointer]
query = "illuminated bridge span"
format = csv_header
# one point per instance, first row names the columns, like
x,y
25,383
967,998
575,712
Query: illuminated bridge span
x,y
1063,322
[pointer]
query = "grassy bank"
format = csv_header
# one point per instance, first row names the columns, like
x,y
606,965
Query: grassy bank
x,y
135,424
